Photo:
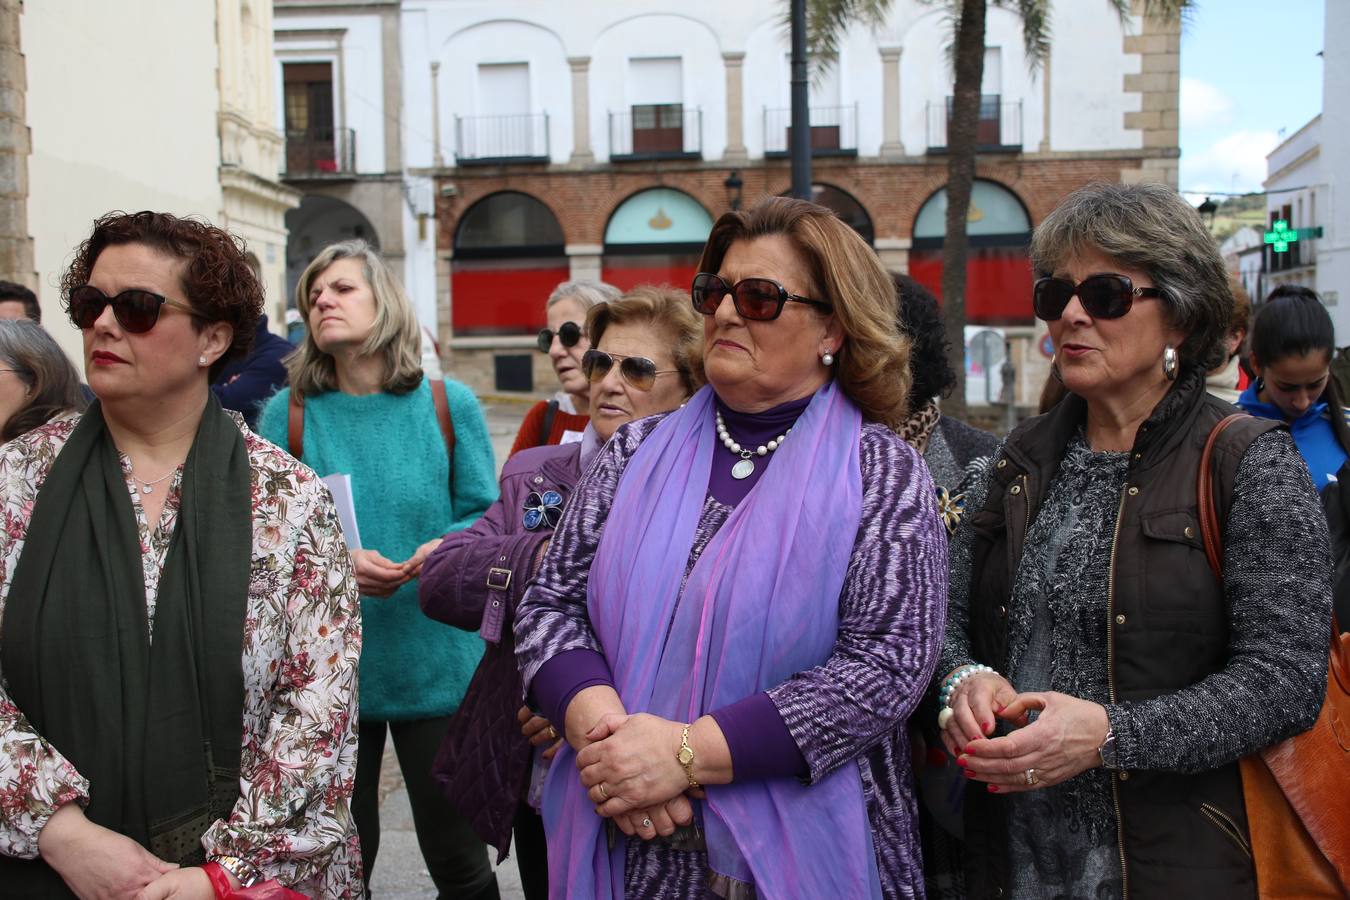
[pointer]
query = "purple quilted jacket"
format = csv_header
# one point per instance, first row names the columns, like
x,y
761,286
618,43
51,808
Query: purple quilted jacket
x,y
474,580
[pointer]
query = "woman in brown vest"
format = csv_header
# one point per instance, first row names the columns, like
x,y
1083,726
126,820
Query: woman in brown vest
x,y
1101,682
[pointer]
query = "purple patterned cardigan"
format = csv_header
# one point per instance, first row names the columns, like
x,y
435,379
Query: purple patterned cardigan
x,y
851,710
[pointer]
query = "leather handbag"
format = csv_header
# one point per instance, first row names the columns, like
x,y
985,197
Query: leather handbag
x,y
1297,792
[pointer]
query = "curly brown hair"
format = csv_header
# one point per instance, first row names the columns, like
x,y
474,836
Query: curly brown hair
x,y
217,280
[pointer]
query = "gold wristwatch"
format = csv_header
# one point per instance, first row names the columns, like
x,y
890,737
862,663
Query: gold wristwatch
x,y
686,758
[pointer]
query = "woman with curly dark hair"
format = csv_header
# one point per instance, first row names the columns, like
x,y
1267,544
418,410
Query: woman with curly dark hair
x,y
156,514
37,381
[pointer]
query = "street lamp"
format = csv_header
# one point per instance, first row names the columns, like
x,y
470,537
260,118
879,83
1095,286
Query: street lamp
x,y
733,184
1207,211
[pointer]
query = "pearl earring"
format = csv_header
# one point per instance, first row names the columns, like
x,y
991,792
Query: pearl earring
x,y
827,358
201,360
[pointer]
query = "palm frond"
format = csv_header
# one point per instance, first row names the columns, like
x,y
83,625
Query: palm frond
x,y
827,21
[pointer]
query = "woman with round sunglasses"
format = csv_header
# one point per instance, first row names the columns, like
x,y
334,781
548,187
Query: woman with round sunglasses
x,y
563,417
646,360
1292,343
744,599
37,380
1100,679
180,624
360,405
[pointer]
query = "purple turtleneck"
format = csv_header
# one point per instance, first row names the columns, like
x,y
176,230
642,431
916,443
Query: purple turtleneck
x,y
759,741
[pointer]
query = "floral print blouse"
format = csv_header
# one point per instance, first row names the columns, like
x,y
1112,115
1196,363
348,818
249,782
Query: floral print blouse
x,y
302,641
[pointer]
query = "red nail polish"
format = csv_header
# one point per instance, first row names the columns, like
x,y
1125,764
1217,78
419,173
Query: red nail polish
x,y
998,708
993,789
970,748
988,727
961,760
968,773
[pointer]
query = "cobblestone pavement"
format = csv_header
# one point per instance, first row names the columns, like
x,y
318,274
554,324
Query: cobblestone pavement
x,y
400,873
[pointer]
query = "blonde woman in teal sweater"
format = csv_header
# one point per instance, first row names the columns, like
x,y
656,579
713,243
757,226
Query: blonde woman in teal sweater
x,y
363,408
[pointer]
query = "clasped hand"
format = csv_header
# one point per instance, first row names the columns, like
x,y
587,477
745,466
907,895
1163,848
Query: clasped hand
x,y
1061,743
632,776
377,576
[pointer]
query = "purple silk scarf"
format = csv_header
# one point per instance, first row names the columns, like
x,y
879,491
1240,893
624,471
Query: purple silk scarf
x,y
760,605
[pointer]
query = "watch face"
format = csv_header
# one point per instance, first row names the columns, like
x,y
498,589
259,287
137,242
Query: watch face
x,y
686,756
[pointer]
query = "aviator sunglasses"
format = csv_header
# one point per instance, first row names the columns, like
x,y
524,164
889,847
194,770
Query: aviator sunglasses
x,y
1105,296
135,310
639,371
568,332
755,299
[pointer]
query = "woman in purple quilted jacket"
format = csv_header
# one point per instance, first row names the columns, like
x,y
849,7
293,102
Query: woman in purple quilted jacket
x,y
645,359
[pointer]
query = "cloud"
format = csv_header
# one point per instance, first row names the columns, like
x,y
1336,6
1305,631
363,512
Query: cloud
x,y
1203,105
1235,162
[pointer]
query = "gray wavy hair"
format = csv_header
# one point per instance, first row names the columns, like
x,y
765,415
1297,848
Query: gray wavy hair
x,y
1148,227
587,293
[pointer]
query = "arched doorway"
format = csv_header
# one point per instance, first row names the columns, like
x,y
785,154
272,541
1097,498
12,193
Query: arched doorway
x,y
655,236
998,271
317,222
508,256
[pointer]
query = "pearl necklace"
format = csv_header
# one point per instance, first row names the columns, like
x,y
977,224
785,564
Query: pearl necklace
x,y
746,466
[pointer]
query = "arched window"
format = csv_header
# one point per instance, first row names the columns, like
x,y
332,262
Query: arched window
x,y
845,206
317,222
998,271
655,236
508,257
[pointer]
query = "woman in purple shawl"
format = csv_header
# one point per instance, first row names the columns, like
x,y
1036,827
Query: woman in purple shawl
x,y
736,617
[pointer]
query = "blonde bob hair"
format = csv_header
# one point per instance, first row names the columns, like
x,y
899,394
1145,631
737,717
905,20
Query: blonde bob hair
x,y
395,334
668,314
872,365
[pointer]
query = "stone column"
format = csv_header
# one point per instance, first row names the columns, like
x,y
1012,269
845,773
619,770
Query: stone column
x,y
1045,105
16,247
890,102
581,110
391,58
1158,84
584,261
735,151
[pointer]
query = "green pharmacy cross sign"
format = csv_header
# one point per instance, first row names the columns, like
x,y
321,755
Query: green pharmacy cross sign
x,y
1281,235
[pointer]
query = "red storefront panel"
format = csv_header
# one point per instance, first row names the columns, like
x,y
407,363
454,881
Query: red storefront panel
x,y
626,273
502,296
998,283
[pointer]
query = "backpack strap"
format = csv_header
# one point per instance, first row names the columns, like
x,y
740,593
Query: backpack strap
x,y
295,426
546,426
443,419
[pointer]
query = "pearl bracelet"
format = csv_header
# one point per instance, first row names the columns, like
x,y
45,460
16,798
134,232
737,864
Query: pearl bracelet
x,y
949,685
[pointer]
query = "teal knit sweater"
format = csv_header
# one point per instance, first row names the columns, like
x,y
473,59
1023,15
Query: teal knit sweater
x,y
391,446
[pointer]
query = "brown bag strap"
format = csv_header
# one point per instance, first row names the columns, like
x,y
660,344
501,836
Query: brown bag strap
x,y
443,419
1204,490
295,426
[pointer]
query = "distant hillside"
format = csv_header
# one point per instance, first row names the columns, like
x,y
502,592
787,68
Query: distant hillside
x,y
1235,212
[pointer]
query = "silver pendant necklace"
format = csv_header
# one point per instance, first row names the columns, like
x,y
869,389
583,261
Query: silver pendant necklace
x,y
745,466
147,487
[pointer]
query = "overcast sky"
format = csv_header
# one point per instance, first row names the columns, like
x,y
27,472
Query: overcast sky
x,y
1250,77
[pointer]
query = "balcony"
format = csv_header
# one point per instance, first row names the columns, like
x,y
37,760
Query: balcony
x,y
998,129
310,156
662,131
497,140
834,131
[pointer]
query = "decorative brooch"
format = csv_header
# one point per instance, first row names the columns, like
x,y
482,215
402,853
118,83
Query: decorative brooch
x,y
951,507
543,509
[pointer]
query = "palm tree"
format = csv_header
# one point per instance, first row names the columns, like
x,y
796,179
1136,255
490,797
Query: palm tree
x,y
828,20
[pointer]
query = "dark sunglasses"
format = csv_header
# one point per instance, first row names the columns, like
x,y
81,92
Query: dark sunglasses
x,y
639,371
568,332
756,299
136,311
1103,296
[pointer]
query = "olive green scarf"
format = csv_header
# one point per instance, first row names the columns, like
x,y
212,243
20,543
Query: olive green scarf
x,y
156,727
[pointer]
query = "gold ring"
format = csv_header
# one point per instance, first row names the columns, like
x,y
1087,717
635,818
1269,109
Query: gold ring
x,y
604,794
1031,777
552,732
